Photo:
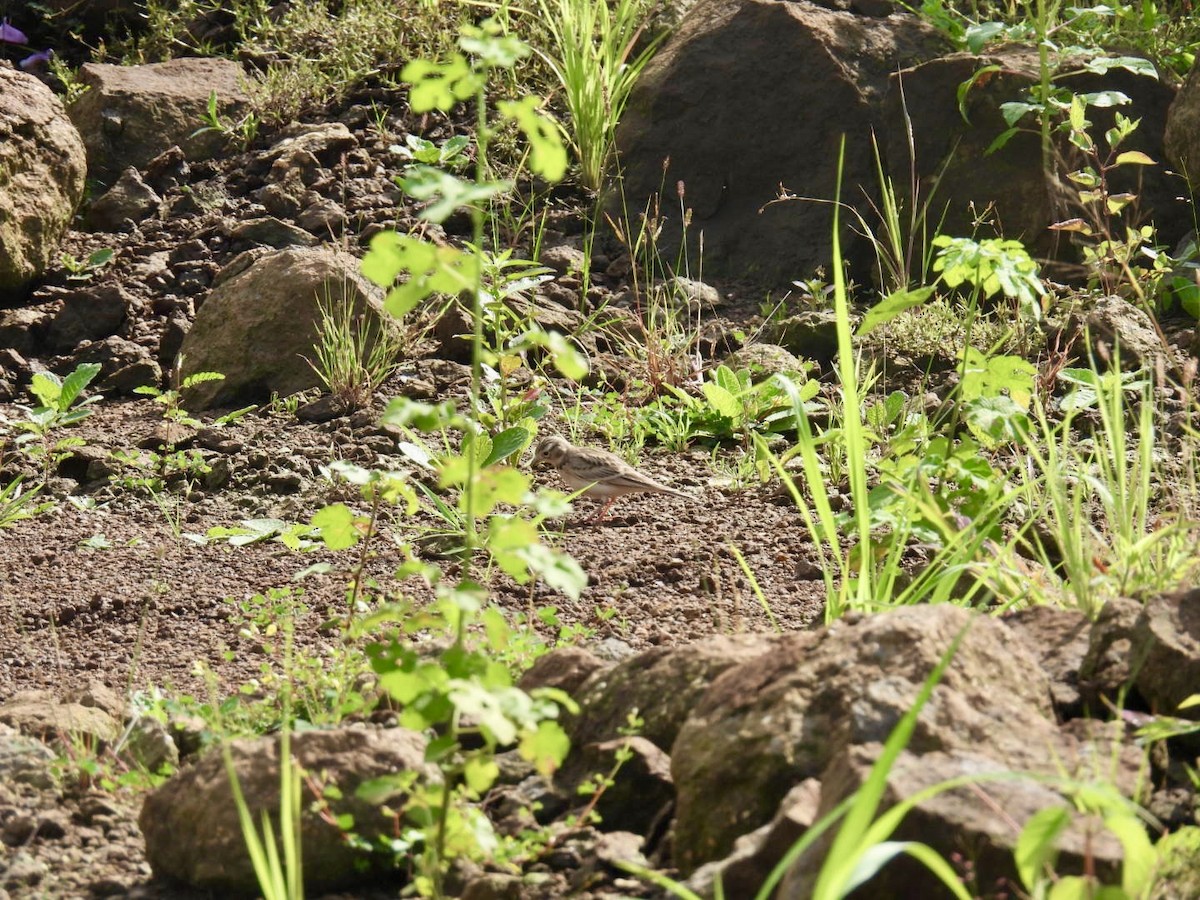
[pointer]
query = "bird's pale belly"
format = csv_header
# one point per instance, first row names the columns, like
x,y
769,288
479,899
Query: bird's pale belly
x,y
597,489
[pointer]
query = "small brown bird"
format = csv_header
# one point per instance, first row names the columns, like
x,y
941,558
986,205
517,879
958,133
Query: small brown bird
x,y
598,472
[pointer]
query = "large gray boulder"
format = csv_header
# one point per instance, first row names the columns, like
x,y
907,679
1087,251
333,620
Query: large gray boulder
x,y
1166,650
43,167
131,114
191,822
258,326
821,705
1183,130
749,95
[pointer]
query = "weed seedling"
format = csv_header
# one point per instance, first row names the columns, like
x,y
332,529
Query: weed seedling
x,y
58,409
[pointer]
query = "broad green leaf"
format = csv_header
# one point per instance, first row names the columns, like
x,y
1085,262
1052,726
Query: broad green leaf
x,y
337,525
1105,99
568,359
1141,860
441,85
546,747
403,686
481,705
1118,202
1135,158
1085,178
1078,114
480,773
1000,141
404,412
384,260
446,193
1012,374
1015,111
891,306
728,379
559,570
977,37
723,401
1036,844
1135,64
548,155
505,444
99,258
499,632
431,269
997,419
453,471
75,382
47,387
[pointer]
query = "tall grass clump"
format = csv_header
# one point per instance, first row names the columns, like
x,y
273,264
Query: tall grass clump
x,y
592,51
1096,497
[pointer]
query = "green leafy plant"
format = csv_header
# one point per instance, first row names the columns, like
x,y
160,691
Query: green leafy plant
x,y
1113,245
1100,536
60,407
72,85
447,270
243,131
730,406
85,269
461,685
989,267
924,487
17,504
449,155
154,471
172,398
1035,851
253,531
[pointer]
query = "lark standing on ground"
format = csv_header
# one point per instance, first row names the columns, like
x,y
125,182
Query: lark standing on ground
x,y
600,473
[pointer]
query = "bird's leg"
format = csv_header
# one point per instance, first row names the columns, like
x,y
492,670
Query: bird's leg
x,y
599,517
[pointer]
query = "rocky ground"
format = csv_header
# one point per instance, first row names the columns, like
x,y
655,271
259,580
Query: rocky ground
x,y
114,595
113,586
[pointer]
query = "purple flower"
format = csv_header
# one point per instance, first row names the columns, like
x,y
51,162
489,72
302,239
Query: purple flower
x,y
34,59
11,35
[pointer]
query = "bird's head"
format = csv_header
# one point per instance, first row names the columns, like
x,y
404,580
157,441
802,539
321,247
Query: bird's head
x,y
552,450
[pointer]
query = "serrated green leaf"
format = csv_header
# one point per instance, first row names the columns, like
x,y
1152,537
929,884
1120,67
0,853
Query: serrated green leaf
x,y
336,524
441,85
546,747
548,155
